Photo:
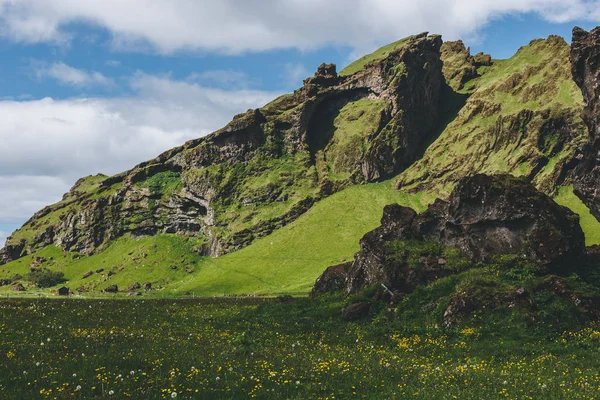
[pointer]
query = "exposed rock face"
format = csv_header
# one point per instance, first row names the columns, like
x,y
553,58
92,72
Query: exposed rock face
x,y
585,67
17,287
111,289
207,185
459,65
486,216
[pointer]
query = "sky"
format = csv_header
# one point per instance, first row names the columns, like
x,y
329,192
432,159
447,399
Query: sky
x,y
97,86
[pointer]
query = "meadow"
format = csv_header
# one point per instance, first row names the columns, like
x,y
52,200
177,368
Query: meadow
x,y
234,348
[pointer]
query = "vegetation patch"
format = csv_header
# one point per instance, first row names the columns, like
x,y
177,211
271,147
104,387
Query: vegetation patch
x,y
589,223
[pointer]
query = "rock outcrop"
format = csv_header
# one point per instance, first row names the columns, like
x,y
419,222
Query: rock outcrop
x,y
459,65
485,217
585,67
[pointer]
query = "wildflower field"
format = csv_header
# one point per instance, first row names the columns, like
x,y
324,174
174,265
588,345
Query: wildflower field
x,y
266,348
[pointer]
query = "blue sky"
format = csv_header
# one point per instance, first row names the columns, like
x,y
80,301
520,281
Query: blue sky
x,y
98,86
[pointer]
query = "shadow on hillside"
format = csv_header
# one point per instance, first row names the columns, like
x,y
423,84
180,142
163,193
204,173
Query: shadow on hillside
x,y
451,104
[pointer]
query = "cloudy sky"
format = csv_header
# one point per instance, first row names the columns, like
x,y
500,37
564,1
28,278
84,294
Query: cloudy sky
x,y
94,86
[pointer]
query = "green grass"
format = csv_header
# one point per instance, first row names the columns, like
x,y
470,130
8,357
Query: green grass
x,y
589,224
163,183
378,54
239,349
349,131
147,259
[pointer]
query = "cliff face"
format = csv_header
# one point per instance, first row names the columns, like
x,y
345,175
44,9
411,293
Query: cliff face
x,y
266,167
585,67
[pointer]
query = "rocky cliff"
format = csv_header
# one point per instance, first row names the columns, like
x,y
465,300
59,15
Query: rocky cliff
x,y
521,116
585,67
419,112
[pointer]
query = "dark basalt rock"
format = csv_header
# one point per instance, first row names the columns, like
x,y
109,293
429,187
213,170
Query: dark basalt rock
x,y
111,289
332,280
585,68
17,287
486,216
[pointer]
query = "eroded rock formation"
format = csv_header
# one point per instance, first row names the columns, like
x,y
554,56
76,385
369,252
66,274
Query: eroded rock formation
x,y
485,217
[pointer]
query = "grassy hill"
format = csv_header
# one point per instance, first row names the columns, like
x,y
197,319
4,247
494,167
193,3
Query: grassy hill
x,y
287,261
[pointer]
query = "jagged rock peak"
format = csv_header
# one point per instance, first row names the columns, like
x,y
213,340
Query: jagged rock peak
x,y
585,67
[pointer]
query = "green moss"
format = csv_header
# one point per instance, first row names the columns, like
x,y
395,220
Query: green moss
x,y
163,183
354,123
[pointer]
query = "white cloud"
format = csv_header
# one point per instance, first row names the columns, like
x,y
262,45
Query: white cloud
x,y
220,77
3,236
23,195
48,144
113,63
294,74
72,76
256,25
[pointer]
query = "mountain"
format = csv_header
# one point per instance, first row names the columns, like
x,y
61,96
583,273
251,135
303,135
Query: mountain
x,y
266,203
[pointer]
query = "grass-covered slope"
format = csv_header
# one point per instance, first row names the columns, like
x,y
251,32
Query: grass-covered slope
x,y
522,117
589,224
287,261
378,54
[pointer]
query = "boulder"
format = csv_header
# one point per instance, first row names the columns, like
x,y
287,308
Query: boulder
x,y
484,217
332,280
134,286
147,286
88,274
111,289
356,311
17,287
